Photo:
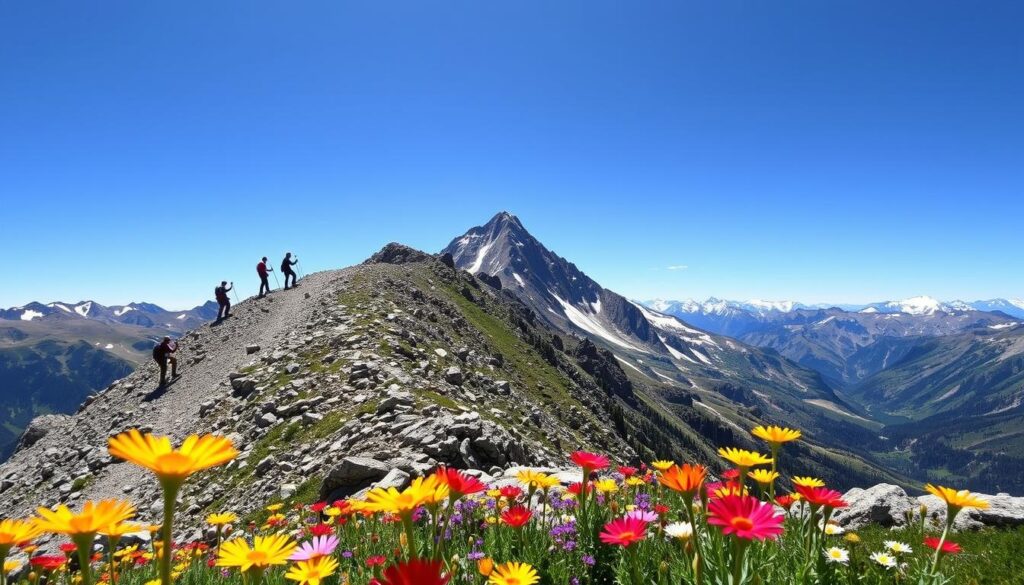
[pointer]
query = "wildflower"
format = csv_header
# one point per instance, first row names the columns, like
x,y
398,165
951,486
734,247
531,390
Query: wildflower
x,y
319,546
812,482
391,501
819,496
956,500
10,567
852,538
634,481
627,471
513,573
485,566
312,571
742,458
155,453
662,464
886,560
898,547
118,530
837,555
414,572
774,435
786,501
221,518
685,479
516,516
950,548
763,476
15,532
510,492
624,531
590,462
266,551
48,562
94,517
679,530
606,486
831,529
745,516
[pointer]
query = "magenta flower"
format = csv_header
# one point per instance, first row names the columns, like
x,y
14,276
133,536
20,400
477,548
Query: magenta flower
x,y
320,546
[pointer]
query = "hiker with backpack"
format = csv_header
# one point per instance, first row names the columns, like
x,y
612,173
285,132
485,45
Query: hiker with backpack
x,y
286,269
263,271
221,293
162,354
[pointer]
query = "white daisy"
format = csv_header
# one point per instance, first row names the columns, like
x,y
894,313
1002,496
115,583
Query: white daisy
x,y
832,529
680,530
898,547
885,559
837,555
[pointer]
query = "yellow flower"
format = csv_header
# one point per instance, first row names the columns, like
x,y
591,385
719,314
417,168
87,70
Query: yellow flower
x,y
635,481
852,537
775,435
956,500
275,507
95,516
312,571
221,518
811,482
119,529
156,454
11,566
514,573
391,501
493,493
743,458
13,532
662,465
265,551
153,582
606,486
763,476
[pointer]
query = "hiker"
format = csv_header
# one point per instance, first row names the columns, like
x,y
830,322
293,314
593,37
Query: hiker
x,y
221,292
286,269
263,271
162,354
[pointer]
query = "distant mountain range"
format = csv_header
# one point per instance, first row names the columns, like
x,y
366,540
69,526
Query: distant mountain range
x,y
53,355
921,305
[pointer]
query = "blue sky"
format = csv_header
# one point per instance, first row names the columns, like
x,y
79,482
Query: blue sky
x,y
820,151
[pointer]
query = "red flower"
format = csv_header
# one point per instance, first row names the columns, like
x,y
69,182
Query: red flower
x,y
68,547
318,507
661,509
414,572
745,516
949,548
786,501
820,496
459,484
731,474
576,487
48,563
624,531
375,561
627,471
589,461
511,492
321,530
516,516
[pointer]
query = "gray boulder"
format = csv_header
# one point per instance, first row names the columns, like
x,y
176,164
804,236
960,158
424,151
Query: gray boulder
x,y
1003,510
351,475
884,504
38,428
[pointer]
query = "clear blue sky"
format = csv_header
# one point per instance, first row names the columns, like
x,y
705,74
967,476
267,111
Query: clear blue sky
x,y
822,151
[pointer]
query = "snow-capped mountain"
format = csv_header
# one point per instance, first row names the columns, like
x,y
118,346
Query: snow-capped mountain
x,y
140,314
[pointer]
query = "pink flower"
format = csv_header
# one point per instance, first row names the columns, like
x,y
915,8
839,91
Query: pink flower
x,y
320,546
642,515
744,516
624,531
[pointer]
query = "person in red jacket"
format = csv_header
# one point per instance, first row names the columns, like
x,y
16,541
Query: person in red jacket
x,y
263,271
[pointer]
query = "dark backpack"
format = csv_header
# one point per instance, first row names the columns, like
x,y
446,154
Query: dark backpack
x,y
158,352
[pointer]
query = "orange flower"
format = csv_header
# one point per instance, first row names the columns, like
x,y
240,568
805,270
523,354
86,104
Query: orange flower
x,y
685,480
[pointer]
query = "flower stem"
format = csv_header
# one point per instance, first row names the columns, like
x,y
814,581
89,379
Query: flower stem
x,y
83,543
170,489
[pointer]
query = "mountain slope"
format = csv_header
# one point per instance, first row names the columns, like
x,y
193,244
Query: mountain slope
x,y
732,382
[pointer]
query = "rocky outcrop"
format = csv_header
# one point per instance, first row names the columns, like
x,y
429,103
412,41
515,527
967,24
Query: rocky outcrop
x,y
39,428
602,365
395,253
1003,510
884,504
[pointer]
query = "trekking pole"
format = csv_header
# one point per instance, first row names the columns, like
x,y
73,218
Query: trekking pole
x,y
275,279
234,293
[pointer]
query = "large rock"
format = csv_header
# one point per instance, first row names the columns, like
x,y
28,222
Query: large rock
x,y
1003,510
350,476
884,504
39,428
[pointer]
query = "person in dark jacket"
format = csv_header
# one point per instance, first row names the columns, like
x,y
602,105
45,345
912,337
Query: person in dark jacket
x,y
221,292
286,269
162,354
263,271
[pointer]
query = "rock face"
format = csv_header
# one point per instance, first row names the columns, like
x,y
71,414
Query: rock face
x,y
1003,511
39,428
395,253
884,504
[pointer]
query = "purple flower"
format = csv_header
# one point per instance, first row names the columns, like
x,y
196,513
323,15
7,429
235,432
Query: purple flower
x,y
588,560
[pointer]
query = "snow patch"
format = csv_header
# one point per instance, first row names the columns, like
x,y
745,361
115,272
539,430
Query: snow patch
x,y
592,325
60,306
181,316
519,279
83,309
108,346
29,314
996,326
123,310
481,255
